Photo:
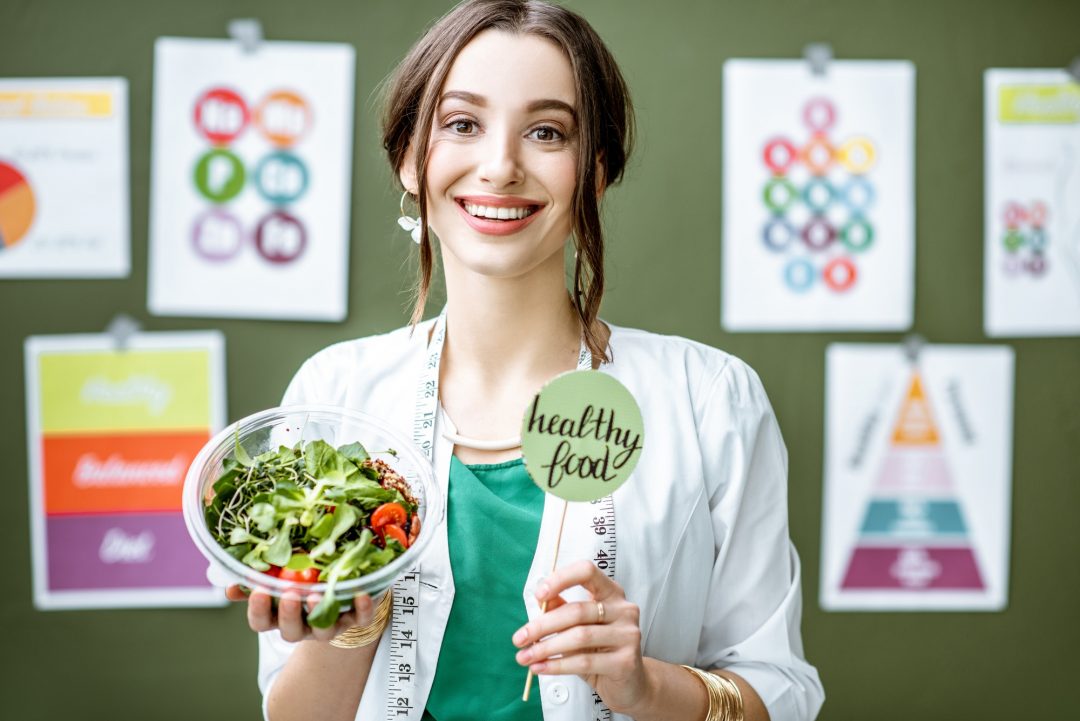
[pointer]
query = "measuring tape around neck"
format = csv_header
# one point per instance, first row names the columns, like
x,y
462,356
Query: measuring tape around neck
x,y
405,618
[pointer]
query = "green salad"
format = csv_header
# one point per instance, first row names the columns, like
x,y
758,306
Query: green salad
x,y
313,513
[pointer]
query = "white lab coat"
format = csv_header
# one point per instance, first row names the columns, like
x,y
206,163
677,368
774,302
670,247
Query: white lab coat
x,y
703,546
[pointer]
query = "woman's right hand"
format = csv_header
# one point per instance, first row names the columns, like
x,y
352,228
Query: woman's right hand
x,y
287,618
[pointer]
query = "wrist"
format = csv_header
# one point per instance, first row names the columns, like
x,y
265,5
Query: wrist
x,y
650,702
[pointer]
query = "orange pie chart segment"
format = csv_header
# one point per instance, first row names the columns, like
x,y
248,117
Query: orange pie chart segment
x,y
16,206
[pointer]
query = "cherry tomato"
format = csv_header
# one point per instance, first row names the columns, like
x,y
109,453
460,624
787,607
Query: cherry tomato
x,y
414,529
395,532
274,571
388,513
308,575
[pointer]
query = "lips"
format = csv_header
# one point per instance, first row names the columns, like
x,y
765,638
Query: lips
x,y
507,206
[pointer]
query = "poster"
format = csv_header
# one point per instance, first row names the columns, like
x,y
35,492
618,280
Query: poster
x,y
818,219
1032,226
64,178
251,168
111,434
917,478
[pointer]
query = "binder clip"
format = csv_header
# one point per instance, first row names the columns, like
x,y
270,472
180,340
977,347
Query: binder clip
x,y
248,32
818,56
121,328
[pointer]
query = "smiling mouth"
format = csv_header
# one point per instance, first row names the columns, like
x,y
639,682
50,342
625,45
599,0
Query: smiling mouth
x,y
490,212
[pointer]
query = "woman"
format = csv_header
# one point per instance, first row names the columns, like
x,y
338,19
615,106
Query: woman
x,y
505,124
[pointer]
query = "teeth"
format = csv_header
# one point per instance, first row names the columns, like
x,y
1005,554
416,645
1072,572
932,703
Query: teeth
x,y
500,213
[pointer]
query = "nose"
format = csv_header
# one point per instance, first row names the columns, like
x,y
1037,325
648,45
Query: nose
x,y
501,165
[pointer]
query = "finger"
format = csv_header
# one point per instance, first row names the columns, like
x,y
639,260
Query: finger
x,y
579,639
554,602
360,615
290,624
260,612
569,615
602,663
580,573
236,593
320,634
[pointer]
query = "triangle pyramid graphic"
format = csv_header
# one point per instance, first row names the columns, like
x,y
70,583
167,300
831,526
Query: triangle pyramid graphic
x,y
913,535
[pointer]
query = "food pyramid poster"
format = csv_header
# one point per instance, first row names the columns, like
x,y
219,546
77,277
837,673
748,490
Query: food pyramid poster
x,y
917,478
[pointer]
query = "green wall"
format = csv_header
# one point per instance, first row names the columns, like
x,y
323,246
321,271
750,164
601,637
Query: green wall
x,y
664,270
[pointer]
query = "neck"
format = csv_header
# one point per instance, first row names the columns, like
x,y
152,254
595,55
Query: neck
x,y
506,330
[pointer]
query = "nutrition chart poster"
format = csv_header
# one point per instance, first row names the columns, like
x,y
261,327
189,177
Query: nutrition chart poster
x,y
1032,226
111,434
251,168
64,178
818,228
917,478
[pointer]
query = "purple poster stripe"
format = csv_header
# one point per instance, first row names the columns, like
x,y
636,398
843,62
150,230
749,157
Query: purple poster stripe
x,y
913,568
124,551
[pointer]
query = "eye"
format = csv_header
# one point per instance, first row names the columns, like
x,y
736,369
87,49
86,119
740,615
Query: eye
x,y
547,134
462,126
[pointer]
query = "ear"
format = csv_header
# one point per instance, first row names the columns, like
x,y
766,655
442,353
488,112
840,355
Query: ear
x,y
407,171
601,185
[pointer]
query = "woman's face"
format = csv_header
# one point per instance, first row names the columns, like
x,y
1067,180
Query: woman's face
x,y
502,156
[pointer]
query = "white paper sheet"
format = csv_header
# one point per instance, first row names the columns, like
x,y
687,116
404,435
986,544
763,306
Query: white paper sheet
x,y
64,178
818,196
917,478
252,158
1032,256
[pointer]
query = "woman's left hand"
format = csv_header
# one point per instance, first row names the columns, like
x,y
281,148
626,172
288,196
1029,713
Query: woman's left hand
x,y
599,640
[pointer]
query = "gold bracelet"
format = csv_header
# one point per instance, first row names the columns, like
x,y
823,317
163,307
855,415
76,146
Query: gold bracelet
x,y
725,701
358,636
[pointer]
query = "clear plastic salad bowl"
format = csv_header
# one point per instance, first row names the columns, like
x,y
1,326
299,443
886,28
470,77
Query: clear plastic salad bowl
x,y
285,426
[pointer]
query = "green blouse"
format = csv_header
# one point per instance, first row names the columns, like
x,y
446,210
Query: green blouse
x,y
493,521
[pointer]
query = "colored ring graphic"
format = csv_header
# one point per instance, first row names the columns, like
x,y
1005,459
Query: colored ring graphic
x,y
219,175
281,178
283,117
818,194
780,154
217,236
778,234
818,154
818,234
790,193
846,278
857,235
1036,264
799,275
221,115
17,206
1037,239
858,194
857,155
1014,240
819,115
1038,213
1015,215
280,238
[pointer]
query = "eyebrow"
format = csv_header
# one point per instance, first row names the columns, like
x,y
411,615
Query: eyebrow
x,y
534,106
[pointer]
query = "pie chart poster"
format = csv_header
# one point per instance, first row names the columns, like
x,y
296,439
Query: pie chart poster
x,y
818,220
64,178
918,462
250,181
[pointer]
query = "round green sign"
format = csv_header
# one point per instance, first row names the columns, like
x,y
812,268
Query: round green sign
x,y
582,436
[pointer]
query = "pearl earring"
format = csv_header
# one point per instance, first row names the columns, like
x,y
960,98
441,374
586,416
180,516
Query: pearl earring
x,y
408,223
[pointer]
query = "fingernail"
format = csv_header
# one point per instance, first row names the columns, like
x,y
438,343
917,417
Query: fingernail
x,y
520,636
524,656
541,590
537,667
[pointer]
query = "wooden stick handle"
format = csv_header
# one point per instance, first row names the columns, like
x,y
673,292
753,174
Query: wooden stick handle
x,y
543,606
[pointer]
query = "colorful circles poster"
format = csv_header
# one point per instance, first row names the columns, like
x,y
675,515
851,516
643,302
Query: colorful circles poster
x,y
1032,244
818,207
252,158
918,478
64,178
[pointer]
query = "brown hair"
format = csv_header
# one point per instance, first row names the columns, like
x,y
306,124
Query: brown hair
x,y
605,126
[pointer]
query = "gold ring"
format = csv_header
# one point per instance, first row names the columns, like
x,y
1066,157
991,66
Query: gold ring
x,y
599,612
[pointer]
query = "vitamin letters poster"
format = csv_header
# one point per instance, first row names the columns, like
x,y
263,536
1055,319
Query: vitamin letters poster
x,y
252,155
917,478
111,435
818,221
64,178
1032,256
